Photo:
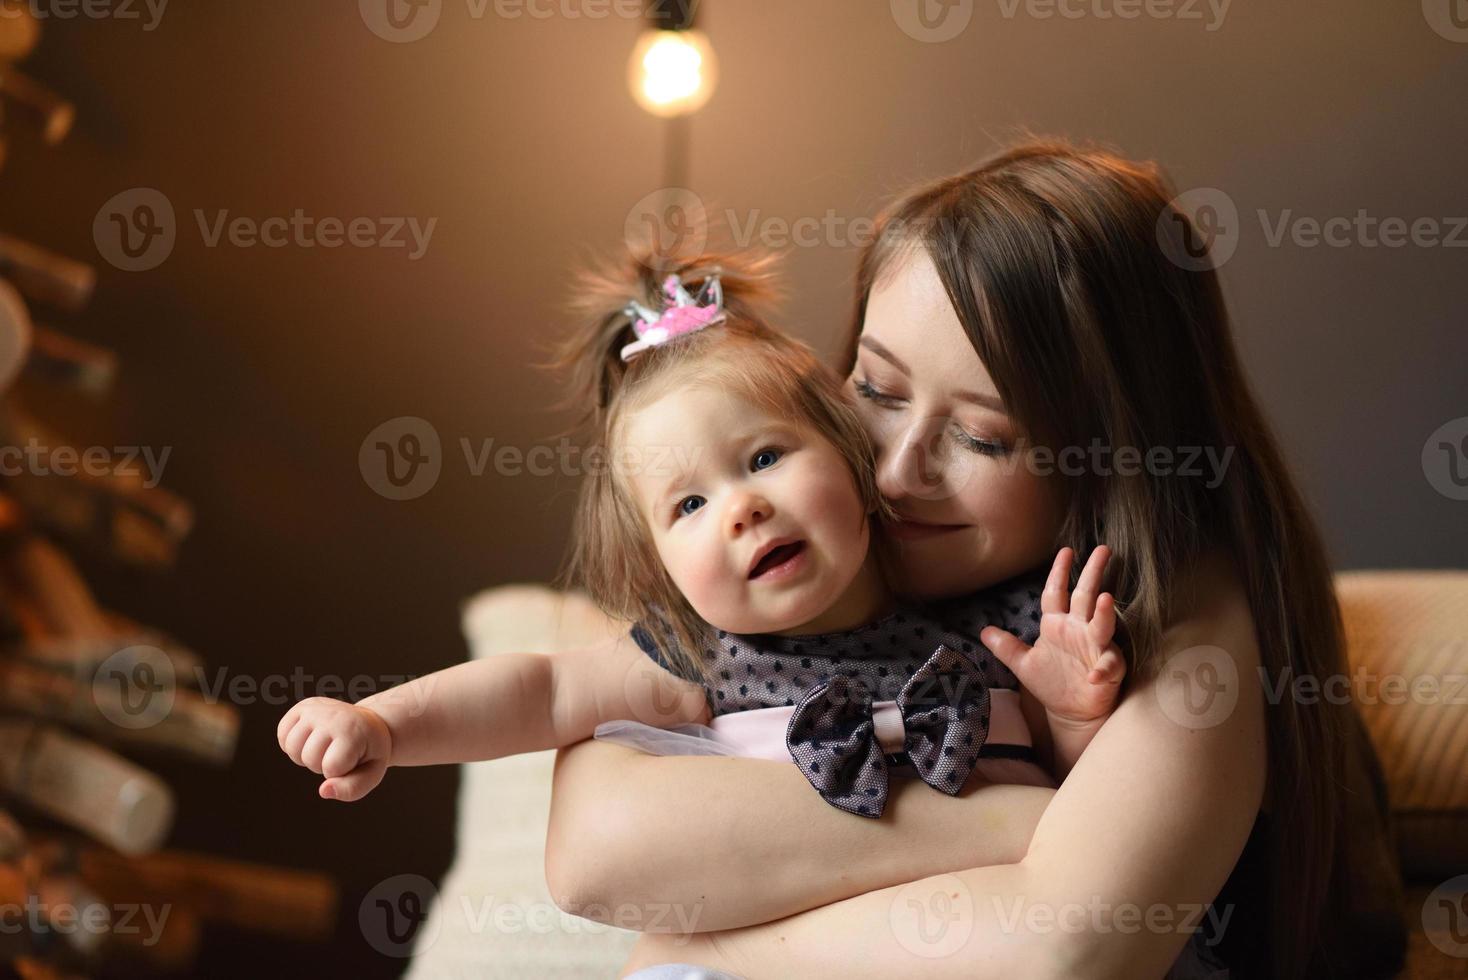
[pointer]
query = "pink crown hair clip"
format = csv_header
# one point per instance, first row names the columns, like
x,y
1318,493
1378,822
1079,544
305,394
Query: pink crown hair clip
x,y
685,314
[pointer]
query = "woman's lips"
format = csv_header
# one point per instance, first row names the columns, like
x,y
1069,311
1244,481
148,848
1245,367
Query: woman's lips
x,y
908,530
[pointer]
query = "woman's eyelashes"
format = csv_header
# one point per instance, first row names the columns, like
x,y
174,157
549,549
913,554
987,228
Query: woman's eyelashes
x,y
762,460
869,391
984,447
973,443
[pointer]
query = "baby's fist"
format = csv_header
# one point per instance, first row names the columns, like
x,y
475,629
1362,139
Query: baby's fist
x,y
348,744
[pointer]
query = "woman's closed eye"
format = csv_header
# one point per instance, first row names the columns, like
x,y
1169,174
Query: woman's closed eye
x,y
966,439
871,392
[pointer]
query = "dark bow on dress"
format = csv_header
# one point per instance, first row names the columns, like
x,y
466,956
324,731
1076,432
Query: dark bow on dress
x,y
945,714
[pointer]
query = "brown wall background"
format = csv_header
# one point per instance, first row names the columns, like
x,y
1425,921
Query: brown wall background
x,y
264,369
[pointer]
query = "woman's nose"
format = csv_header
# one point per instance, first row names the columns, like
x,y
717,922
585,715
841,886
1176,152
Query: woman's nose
x,y
911,463
745,511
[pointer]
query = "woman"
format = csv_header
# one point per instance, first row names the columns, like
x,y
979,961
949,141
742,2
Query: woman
x,y
1037,373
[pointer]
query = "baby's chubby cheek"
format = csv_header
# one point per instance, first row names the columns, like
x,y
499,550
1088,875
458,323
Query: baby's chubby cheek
x,y
707,582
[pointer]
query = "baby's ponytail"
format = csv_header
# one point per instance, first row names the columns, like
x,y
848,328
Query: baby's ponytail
x,y
590,360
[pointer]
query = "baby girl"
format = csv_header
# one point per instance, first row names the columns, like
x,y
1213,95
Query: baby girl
x,y
734,532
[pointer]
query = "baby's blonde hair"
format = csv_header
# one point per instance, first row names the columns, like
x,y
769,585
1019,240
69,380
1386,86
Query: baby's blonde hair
x,y
612,553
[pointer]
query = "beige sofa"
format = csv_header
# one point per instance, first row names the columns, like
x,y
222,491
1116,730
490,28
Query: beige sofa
x,y
493,917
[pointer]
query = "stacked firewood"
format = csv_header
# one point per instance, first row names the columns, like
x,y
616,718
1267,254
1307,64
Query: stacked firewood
x,y
85,692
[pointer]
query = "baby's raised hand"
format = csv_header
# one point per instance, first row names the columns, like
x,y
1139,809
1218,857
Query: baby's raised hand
x,y
348,744
1074,668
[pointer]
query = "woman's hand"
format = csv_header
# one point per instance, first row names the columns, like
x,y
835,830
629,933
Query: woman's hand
x,y
348,744
1075,668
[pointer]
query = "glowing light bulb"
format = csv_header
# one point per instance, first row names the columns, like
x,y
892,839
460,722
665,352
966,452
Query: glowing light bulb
x,y
672,73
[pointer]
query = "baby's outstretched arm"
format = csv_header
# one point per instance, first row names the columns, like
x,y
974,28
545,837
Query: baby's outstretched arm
x,y
485,709
1075,668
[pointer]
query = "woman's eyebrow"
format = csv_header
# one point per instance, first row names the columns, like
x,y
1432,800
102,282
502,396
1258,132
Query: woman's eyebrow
x,y
884,354
993,402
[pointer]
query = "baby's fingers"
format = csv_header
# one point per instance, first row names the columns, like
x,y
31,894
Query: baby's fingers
x,y
1009,648
315,749
354,785
1083,600
1109,669
341,757
1102,626
295,739
1056,597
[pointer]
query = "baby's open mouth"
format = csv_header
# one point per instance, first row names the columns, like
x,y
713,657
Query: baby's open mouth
x,y
776,557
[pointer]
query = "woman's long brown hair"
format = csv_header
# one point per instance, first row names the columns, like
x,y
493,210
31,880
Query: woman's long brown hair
x,y
1057,260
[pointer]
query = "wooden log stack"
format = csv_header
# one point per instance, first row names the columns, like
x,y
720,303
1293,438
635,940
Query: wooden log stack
x,y
86,694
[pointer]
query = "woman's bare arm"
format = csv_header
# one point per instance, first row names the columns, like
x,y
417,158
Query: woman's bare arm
x,y
1141,835
721,843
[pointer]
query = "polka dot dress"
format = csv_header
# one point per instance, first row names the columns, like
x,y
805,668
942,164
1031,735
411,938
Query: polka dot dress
x,y
750,671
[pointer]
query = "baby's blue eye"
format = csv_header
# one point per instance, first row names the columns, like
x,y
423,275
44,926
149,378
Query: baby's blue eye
x,y
766,458
684,508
